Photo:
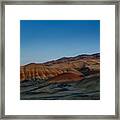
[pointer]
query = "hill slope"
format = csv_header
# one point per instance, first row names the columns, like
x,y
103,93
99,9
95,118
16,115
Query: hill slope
x,y
69,68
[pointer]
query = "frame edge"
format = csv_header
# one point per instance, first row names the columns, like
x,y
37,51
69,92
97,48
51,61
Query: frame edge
x,y
2,62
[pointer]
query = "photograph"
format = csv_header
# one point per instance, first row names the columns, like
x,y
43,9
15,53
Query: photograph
x,y
58,55
59,59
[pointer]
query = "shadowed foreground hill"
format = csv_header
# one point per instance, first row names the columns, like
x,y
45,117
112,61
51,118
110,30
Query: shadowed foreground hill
x,y
86,89
68,78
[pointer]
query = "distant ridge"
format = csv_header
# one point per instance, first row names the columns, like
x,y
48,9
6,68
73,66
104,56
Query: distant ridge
x,y
96,55
69,58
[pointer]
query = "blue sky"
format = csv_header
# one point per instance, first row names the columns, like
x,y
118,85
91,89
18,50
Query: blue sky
x,y
45,40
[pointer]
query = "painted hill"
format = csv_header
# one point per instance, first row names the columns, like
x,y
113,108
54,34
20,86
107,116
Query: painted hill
x,y
63,69
66,77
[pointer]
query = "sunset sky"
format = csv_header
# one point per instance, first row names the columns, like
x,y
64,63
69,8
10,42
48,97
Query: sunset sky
x,y
45,40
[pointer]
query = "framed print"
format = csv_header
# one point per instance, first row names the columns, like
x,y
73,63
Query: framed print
x,y
60,59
